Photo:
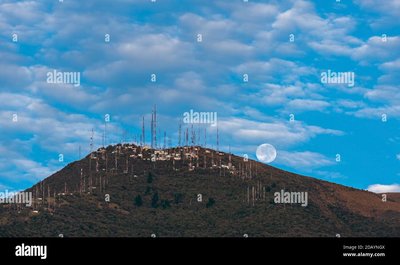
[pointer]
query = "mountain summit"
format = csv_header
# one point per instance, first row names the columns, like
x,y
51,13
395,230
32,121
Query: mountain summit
x,y
136,191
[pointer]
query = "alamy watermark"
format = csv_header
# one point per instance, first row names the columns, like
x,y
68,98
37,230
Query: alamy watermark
x,y
330,77
57,77
291,197
16,197
31,251
200,117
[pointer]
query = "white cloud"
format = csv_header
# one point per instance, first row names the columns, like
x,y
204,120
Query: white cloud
x,y
45,126
391,70
330,47
231,48
377,50
380,188
303,160
387,7
391,66
146,49
25,11
13,76
307,104
302,16
212,28
275,132
290,97
350,104
322,34
274,69
384,93
32,169
329,174
377,112
27,169
259,12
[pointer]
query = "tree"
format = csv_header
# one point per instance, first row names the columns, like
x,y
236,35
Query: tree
x,y
210,202
148,190
149,178
154,200
165,204
178,198
138,201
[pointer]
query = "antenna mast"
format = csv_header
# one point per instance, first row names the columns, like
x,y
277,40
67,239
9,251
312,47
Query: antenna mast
x,y
230,158
193,136
217,139
105,133
143,140
198,136
165,139
180,135
91,142
90,159
205,137
155,126
187,136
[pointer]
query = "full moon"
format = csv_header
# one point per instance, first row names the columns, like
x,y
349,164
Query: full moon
x,y
266,153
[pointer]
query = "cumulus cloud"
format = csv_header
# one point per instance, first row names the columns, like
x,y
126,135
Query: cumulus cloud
x,y
350,104
390,71
282,134
381,188
391,7
375,49
304,160
307,104
273,69
384,93
28,169
377,112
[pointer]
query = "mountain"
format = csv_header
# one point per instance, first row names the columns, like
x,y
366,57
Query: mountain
x,y
133,191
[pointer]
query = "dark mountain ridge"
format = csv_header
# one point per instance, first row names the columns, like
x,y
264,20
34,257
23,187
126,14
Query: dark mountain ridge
x,y
132,191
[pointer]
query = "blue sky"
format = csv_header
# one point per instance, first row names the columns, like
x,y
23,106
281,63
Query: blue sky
x,y
237,38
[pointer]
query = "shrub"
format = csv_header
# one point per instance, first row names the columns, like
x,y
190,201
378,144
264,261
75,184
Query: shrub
x,y
178,198
210,202
165,204
148,190
154,200
149,177
138,201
